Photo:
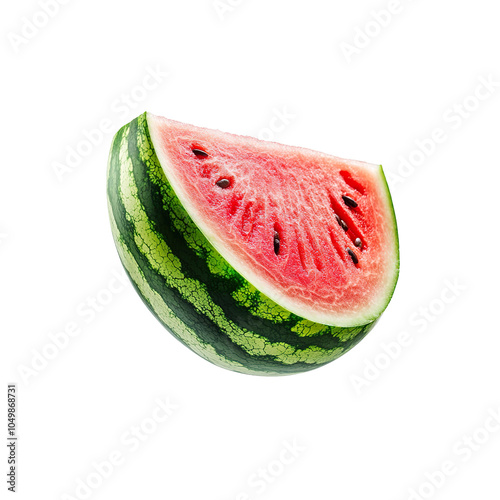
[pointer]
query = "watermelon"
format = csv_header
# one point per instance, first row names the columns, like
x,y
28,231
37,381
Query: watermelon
x,y
262,258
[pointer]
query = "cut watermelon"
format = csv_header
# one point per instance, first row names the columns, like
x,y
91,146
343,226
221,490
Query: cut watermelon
x,y
262,258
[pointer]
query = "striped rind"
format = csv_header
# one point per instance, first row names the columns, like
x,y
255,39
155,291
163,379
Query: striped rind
x,y
392,278
189,286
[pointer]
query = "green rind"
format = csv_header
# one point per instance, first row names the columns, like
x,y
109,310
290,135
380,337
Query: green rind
x,y
190,288
395,233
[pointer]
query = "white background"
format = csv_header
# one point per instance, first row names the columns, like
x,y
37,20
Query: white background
x,y
361,432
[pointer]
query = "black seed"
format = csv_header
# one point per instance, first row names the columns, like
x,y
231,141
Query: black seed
x,y
352,255
337,218
349,202
358,242
276,247
344,225
223,183
200,153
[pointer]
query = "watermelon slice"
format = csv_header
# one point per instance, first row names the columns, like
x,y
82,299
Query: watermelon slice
x,y
263,258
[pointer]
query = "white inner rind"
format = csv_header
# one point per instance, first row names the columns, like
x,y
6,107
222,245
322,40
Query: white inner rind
x,y
370,312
